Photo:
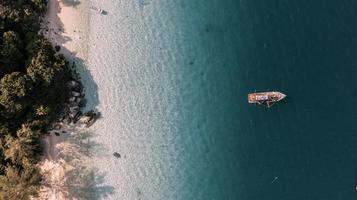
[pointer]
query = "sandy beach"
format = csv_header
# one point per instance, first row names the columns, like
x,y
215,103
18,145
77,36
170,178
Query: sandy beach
x,y
66,23
53,168
63,164
135,53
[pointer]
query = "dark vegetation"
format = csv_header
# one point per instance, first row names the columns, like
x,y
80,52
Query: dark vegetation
x,y
32,92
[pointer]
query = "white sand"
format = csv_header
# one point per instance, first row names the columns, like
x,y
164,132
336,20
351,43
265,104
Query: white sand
x,y
63,166
67,25
53,168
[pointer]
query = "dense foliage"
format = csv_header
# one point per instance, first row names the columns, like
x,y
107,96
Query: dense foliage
x,y
32,91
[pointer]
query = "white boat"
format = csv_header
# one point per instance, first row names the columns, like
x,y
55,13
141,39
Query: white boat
x,y
265,98
96,9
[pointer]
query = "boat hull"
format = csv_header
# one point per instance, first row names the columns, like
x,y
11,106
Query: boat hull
x,y
265,98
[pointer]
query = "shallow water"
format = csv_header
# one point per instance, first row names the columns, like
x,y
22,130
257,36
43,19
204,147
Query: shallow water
x,y
172,82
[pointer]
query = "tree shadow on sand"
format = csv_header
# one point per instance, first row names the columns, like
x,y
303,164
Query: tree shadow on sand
x,y
90,87
77,146
87,184
54,30
82,182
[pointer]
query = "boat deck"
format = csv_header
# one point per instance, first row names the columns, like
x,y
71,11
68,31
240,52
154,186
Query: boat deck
x,y
265,98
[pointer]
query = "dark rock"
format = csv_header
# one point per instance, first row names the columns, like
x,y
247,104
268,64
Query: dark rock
x,y
72,84
61,117
57,126
57,48
72,104
75,94
74,108
73,114
116,154
90,117
78,100
67,120
57,133
77,116
72,99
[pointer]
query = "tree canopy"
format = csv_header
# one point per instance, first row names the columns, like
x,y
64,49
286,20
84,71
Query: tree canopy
x,y
18,184
32,93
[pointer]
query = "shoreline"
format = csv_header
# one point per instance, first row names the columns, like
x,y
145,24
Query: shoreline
x,y
68,28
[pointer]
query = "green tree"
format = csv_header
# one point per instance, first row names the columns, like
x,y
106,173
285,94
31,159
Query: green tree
x,y
10,49
35,43
20,12
18,184
13,89
4,130
32,92
23,148
42,68
42,110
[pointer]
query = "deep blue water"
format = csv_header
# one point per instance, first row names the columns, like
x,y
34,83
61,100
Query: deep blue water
x,y
233,150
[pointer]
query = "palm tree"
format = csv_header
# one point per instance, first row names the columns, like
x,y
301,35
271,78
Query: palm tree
x,y
19,185
22,148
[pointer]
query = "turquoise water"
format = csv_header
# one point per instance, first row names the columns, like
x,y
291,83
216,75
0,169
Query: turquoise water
x,y
172,86
235,150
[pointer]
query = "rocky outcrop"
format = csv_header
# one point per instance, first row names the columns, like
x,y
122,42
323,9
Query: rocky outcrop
x,y
89,118
75,102
73,85
72,113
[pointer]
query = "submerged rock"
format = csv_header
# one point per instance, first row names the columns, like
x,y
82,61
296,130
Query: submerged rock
x,y
78,100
